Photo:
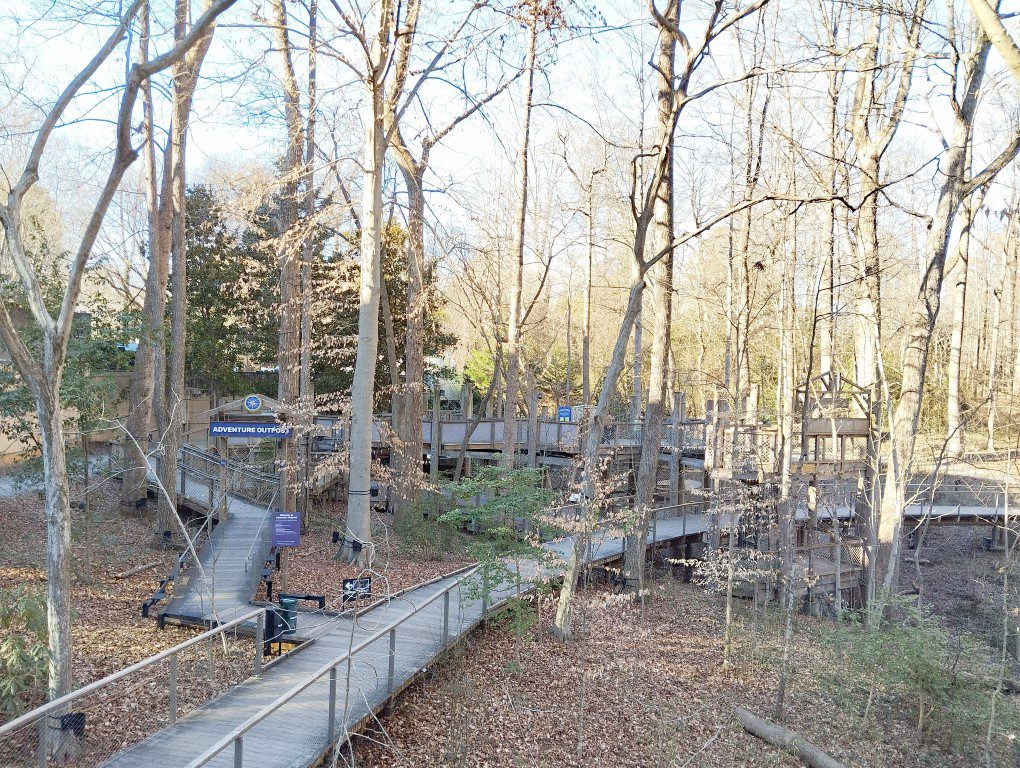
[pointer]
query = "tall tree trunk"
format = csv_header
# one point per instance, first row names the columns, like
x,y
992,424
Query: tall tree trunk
x,y
58,537
954,424
358,546
290,247
514,331
175,414
306,396
409,451
1008,275
143,374
661,280
922,322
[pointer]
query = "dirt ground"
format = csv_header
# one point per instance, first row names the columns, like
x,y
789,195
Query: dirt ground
x,y
634,690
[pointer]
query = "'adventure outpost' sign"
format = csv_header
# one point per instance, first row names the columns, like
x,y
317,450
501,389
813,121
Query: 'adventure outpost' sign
x,y
249,429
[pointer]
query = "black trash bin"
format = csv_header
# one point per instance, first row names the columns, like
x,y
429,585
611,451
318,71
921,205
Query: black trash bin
x,y
288,614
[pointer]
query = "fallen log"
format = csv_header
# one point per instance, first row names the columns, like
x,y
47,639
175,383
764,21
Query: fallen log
x,y
137,569
784,738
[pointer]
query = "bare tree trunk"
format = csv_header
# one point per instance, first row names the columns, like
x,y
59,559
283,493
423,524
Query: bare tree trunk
x,y
954,190
408,455
143,374
1008,274
290,247
357,547
514,331
954,424
186,79
661,279
787,505
58,539
586,338
306,391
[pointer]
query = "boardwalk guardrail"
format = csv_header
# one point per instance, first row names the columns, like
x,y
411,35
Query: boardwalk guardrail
x,y
89,725
328,674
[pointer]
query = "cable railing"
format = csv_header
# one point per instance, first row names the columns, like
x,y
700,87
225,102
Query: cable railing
x,y
422,642
88,726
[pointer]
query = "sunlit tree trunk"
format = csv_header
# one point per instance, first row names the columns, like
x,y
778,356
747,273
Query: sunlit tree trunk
x,y
514,331
357,546
661,280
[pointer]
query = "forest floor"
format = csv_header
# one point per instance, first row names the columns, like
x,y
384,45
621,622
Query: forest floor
x,y
649,689
108,632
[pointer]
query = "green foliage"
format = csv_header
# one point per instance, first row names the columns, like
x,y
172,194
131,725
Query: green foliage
x,y
233,289
911,664
96,350
234,298
510,510
337,283
23,654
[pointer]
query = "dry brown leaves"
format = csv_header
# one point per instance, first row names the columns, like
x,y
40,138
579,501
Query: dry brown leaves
x,y
631,690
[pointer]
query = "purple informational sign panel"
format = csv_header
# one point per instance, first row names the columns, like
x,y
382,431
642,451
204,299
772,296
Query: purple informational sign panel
x,y
286,529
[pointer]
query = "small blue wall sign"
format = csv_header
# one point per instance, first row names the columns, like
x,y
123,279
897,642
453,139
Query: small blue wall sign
x,y
563,413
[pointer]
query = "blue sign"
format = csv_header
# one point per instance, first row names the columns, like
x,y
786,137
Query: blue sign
x,y
253,403
249,429
563,413
286,529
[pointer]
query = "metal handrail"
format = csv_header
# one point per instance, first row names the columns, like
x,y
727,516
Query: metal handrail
x,y
63,701
237,734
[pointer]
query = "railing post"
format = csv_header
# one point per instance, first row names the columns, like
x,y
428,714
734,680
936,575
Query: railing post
x,y
43,740
239,752
260,639
446,617
174,664
332,705
393,661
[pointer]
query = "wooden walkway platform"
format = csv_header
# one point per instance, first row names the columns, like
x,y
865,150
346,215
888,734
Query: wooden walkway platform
x,y
295,733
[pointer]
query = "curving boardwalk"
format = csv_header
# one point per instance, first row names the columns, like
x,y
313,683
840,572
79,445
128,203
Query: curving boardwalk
x,y
295,733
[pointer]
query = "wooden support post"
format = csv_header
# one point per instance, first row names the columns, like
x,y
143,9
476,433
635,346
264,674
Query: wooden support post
x,y
221,450
435,431
331,722
260,639
172,705
239,752
393,661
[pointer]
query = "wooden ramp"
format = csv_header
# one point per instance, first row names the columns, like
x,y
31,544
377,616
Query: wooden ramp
x,y
231,559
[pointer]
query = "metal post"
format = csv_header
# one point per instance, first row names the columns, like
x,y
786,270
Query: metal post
x,y
332,704
446,617
43,741
393,660
239,752
260,640
173,688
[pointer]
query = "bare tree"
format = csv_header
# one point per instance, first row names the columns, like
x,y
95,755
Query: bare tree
x,y
42,368
968,71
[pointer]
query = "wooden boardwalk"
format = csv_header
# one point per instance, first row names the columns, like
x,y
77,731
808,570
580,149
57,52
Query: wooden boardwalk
x,y
295,734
